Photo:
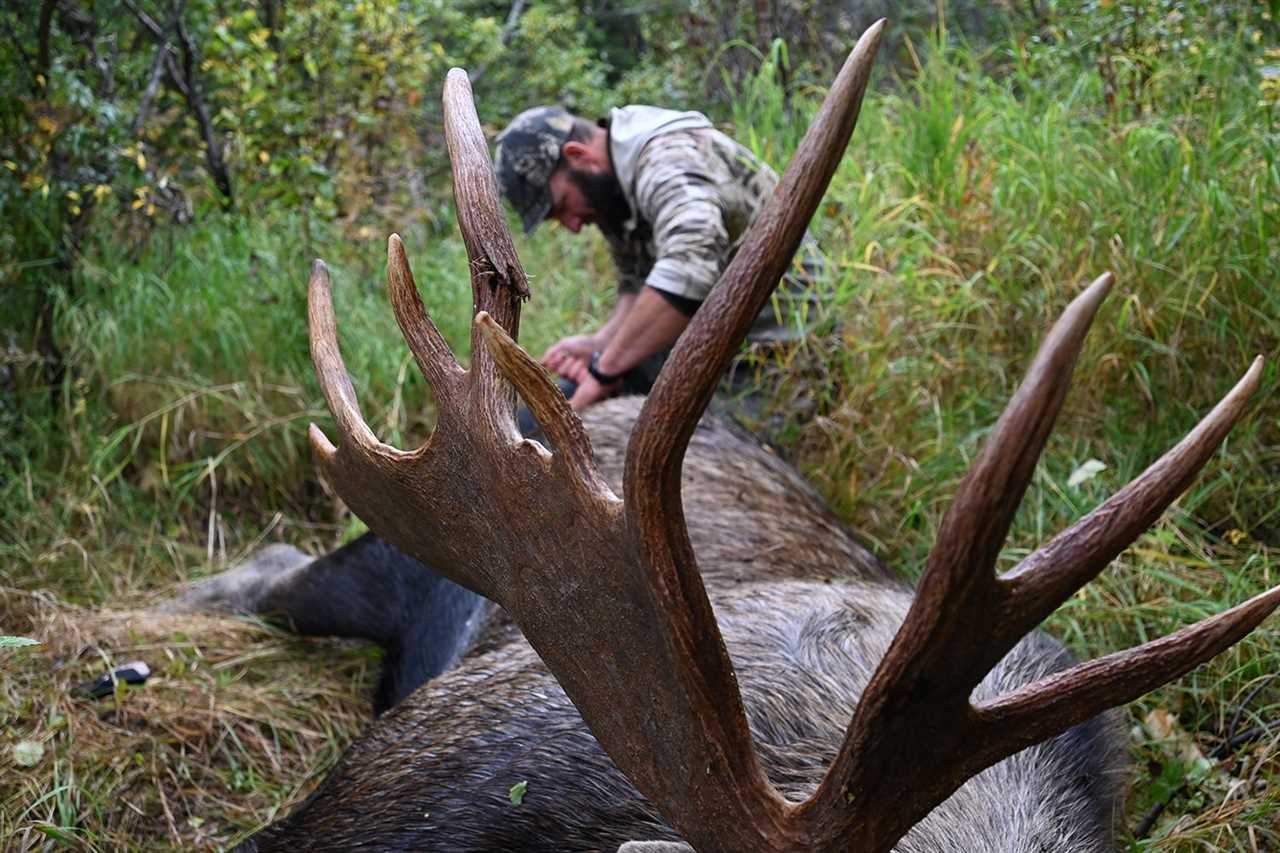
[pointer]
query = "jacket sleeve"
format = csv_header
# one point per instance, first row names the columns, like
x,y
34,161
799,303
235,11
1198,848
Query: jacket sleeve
x,y
677,182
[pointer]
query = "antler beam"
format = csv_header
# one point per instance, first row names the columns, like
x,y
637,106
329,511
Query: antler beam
x,y
655,455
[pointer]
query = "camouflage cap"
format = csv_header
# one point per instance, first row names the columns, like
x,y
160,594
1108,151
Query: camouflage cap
x,y
527,153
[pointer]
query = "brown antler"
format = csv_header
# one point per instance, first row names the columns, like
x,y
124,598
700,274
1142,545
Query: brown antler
x,y
612,600
542,534
915,737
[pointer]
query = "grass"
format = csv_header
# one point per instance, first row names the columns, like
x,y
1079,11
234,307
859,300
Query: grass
x,y
980,193
234,724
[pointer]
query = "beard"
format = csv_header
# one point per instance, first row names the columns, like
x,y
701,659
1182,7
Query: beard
x,y
603,192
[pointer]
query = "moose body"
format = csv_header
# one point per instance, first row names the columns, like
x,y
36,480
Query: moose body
x,y
807,613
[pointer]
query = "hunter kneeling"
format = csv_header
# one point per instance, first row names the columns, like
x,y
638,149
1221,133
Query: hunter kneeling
x,y
673,197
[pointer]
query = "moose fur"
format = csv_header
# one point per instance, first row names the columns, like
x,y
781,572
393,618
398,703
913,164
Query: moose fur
x,y
806,611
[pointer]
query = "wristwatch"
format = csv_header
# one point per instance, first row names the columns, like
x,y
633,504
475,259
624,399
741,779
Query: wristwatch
x,y
599,375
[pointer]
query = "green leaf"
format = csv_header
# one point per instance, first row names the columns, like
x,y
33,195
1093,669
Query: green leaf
x,y
27,753
10,642
56,833
516,794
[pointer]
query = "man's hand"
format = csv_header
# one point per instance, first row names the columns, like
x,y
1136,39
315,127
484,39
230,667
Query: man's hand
x,y
575,369
590,392
560,357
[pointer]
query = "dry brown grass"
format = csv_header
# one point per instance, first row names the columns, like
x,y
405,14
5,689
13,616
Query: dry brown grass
x,y
237,722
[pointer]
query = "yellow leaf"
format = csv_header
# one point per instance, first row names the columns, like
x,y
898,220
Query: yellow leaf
x,y
151,210
141,161
73,195
137,203
10,165
46,124
74,210
1152,554
264,157
101,191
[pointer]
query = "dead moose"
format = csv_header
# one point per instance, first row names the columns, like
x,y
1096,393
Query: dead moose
x,y
856,714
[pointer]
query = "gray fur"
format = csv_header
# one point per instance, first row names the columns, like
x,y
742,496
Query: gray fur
x,y
243,588
806,612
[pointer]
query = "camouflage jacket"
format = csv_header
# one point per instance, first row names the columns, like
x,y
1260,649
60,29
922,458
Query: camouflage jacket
x,y
693,192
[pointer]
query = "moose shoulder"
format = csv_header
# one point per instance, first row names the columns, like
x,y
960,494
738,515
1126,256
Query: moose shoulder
x,y
853,714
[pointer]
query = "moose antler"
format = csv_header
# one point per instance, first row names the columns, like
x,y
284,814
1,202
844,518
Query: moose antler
x,y
542,534
610,596
964,618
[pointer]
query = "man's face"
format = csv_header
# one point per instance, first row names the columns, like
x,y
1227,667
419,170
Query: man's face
x,y
585,198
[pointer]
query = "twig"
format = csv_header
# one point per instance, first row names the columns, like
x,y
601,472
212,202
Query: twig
x,y
195,98
157,68
46,26
147,20
1250,735
183,77
504,37
1247,701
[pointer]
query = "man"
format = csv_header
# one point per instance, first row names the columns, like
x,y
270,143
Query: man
x,y
673,197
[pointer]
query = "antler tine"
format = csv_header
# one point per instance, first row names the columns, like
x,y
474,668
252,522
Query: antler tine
x,y
975,526
655,516
429,348
548,405
498,281
699,358
335,382
1071,559
1053,704
957,598
496,275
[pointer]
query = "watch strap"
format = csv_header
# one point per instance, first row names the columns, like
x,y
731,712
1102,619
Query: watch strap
x,y
598,374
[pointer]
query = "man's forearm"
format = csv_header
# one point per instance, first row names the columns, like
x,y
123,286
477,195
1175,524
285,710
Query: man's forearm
x,y
650,325
626,301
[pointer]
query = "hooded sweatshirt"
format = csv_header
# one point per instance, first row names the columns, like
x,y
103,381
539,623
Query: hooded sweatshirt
x,y
693,192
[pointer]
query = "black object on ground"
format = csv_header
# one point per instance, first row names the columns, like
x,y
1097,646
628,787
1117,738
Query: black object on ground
x,y
134,672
